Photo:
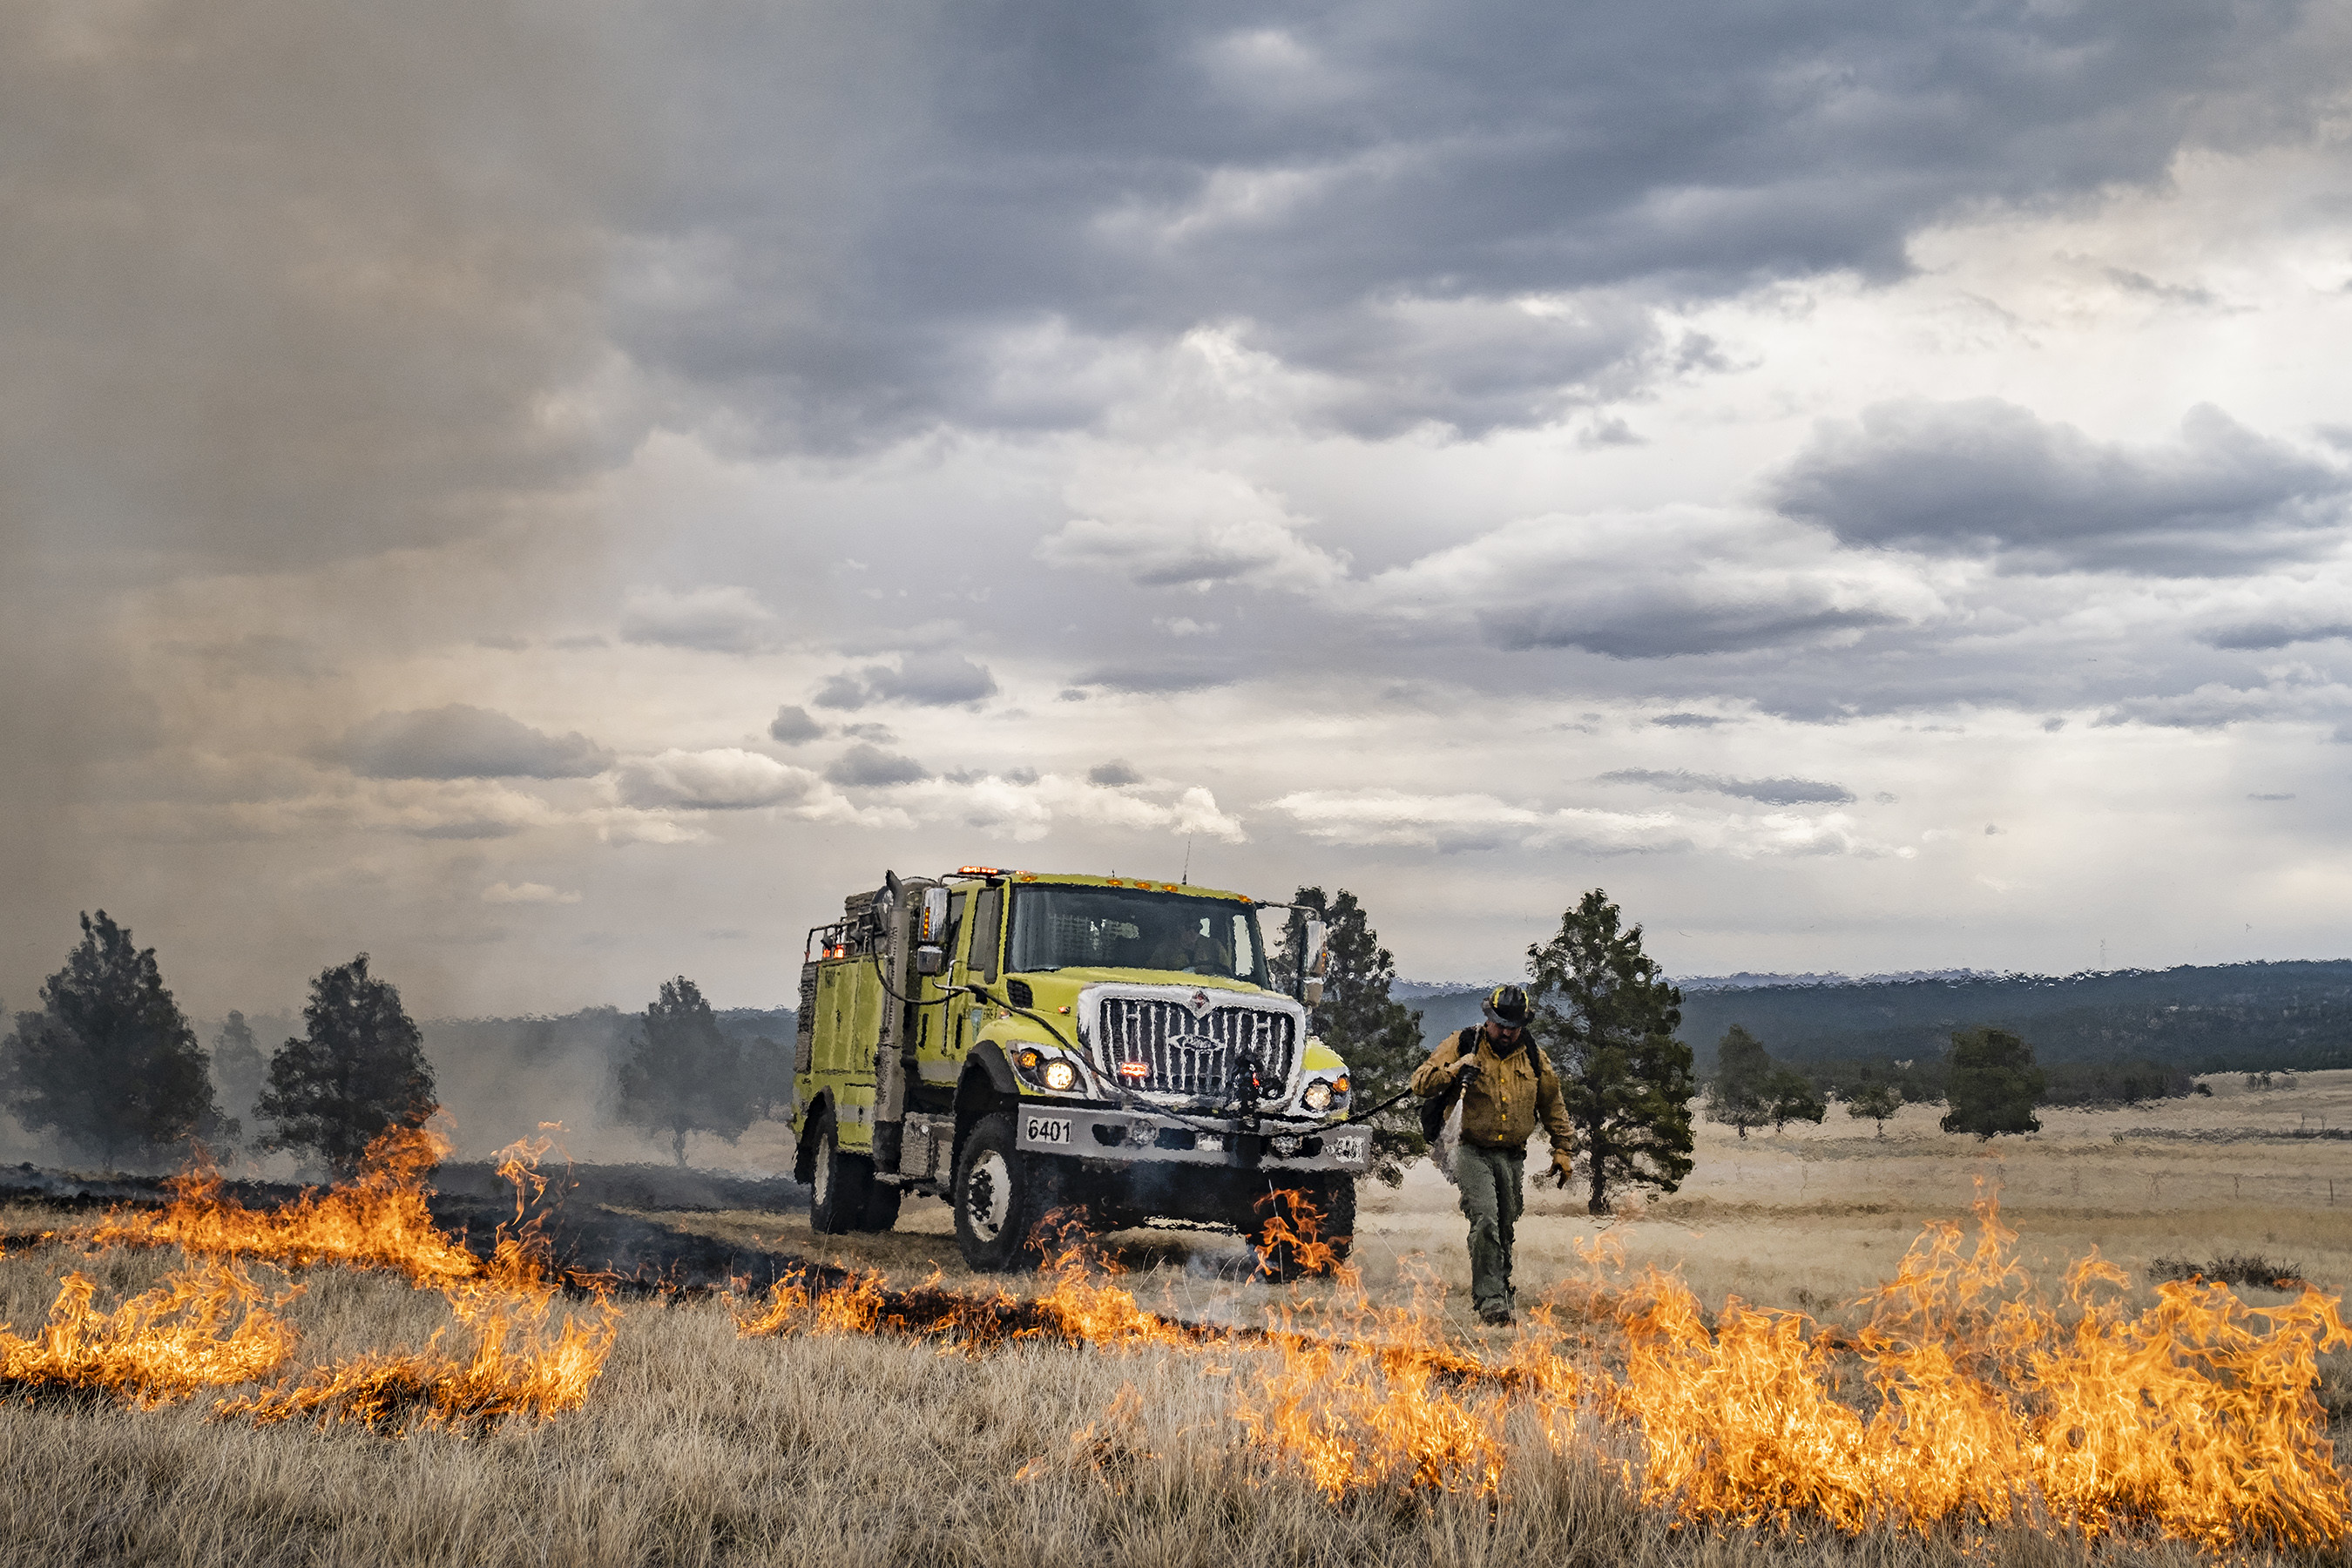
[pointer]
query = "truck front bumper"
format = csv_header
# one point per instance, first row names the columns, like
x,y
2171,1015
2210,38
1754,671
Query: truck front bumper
x,y
1130,1137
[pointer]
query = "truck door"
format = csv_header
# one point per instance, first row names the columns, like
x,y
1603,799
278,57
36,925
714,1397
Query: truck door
x,y
938,1060
977,965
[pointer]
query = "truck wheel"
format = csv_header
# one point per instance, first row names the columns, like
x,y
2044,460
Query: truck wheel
x,y
1002,1196
882,1207
1340,1215
843,1185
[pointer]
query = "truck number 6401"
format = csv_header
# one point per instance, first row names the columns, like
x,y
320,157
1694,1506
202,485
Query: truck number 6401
x,y
1046,1129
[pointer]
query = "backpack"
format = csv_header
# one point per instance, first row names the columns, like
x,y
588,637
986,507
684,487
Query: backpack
x,y
1439,1105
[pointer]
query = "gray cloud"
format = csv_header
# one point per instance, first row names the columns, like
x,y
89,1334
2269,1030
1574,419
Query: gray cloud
x,y
727,779
925,679
1686,721
2262,636
870,766
1112,774
713,620
1769,792
1368,204
792,726
1986,474
460,741
1667,625
1156,680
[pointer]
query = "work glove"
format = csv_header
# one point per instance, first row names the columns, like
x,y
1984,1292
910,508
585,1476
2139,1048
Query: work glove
x,y
1465,1071
1563,1166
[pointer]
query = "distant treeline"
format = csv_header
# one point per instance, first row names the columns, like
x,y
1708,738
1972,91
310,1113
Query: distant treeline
x,y
2238,1017
2100,1037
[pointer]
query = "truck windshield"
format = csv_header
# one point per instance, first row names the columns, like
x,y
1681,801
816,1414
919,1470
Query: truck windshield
x,y
1122,927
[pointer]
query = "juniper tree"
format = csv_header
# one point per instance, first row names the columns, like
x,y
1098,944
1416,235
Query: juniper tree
x,y
1605,1012
1789,1096
1993,1085
357,1070
110,1062
683,1074
1377,1037
1735,1094
1874,1100
239,1070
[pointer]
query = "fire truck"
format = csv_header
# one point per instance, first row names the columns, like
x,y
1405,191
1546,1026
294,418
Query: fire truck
x,y
1044,1050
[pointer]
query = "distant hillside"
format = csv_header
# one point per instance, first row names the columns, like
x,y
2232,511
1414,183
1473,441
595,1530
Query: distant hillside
x,y
2237,1017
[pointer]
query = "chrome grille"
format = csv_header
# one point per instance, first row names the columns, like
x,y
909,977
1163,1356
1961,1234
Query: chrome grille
x,y
1189,1056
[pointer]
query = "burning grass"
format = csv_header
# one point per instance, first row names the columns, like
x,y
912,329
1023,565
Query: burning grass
x,y
207,1328
1964,1405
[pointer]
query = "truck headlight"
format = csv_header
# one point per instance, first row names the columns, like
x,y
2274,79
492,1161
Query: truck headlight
x,y
1318,1096
1059,1076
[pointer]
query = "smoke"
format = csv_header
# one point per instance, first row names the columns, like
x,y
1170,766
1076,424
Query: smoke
x,y
303,349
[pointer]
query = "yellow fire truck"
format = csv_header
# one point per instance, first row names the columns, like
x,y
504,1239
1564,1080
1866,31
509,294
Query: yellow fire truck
x,y
1043,1050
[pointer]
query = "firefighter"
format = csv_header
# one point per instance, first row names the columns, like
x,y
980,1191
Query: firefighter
x,y
1506,1085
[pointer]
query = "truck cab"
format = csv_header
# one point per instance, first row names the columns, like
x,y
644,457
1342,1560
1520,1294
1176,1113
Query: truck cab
x,y
1048,1051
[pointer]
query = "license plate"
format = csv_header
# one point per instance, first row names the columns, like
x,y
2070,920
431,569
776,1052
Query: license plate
x,y
1349,1149
1046,1129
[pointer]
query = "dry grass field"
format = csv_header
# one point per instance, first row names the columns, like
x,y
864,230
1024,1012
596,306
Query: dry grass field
x,y
830,1445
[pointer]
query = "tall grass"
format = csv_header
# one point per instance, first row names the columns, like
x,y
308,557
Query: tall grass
x,y
699,1446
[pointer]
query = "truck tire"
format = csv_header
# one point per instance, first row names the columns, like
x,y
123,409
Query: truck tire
x,y
1002,1198
844,1184
1340,1215
882,1207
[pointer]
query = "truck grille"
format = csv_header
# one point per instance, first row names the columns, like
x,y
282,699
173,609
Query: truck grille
x,y
1189,1056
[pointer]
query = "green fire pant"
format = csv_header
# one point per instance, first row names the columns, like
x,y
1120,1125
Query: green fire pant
x,y
1492,1194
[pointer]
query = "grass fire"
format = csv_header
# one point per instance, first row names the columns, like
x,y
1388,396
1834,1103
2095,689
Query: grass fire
x,y
1953,1402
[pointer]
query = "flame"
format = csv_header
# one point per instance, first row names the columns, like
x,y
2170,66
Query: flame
x,y
513,1367
378,1221
2195,1417
1964,1400
205,1328
163,1345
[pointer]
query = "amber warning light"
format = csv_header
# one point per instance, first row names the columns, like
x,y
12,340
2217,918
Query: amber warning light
x,y
978,871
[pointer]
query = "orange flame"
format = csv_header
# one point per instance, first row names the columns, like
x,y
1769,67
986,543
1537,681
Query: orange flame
x,y
378,1221
1965,1398
204,1328
2191,1416
168,1342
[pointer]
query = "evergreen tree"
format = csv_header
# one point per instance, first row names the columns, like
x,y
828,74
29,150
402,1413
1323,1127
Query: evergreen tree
x,y
239,1070
683,1074
1874,1099
1734,1095
1993,1085
1607,1014
1789,1096
358,1069
110,1062
1377,1037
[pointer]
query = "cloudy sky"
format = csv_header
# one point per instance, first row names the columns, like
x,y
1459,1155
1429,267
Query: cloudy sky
x,y
556,494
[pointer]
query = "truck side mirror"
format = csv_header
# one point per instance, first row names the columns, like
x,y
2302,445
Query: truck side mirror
x,y
933,923
1312,993
1318,960
930,960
